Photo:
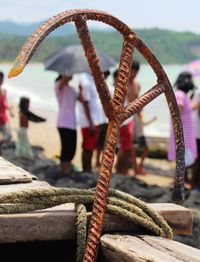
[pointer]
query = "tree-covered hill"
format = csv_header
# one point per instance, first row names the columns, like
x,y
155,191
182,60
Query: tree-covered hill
x,y
25,29
169,47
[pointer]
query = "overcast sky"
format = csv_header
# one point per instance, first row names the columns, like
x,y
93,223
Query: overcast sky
x,y
180,15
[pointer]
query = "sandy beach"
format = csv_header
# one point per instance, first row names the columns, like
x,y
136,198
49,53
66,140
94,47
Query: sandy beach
x,y
45,135
158,181
41,134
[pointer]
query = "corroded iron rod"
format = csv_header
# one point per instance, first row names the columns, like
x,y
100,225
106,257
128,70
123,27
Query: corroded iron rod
x,y
94,64
114,108
123,74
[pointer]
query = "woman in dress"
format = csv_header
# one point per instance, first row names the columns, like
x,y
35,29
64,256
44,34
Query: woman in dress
x,y
184,84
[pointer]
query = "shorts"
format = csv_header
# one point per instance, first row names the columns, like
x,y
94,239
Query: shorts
x,y
126,136
102,136
89,140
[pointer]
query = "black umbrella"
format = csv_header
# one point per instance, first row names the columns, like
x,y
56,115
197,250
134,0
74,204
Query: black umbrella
x,y
72,60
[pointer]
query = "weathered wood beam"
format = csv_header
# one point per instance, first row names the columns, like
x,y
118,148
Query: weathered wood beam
x,y
179,218
11,174
59,223
145,248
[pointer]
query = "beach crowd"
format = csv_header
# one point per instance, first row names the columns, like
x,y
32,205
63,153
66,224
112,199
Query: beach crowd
x,y
93,124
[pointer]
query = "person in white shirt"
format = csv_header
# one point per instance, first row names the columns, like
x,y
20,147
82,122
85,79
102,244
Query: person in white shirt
x,y
102,130
90,117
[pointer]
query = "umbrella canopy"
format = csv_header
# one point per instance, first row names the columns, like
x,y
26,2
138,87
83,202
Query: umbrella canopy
x,y
72,60
194,67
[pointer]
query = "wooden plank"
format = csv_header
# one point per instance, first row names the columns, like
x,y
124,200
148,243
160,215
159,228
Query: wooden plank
x,y
39,225
58,223
11,174
179,218
145,248
17,187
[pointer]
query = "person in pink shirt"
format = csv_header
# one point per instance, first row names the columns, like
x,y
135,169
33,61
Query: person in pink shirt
x,y
66,121
196,121
184,84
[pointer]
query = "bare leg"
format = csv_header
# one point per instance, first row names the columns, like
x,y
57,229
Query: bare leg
x,y
134,161
64,166
100,142
1,144
144,155
98,157
87,160
123,161
119,164
142,158
196,174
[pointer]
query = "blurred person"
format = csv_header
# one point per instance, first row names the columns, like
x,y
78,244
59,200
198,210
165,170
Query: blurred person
x,y
5,134
184,84
102,131
127,149
66,121
90,117
134,87
23,148
196,121
141,139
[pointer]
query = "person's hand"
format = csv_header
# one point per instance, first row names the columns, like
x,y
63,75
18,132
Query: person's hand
x,y
80,96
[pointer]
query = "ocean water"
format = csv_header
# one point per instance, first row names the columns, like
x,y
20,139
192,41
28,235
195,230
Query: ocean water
x,y
38,85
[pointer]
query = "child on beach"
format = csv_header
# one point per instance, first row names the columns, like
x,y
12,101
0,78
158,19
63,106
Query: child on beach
x,y
5,134
141,140
23,148
196,122
102,131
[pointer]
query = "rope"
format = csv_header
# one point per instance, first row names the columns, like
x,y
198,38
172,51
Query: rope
x,y
81,225
118,203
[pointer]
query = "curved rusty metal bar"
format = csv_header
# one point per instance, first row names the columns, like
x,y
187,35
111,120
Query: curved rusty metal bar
x,y
133,107
114,109
56,21
93,61
178,191
123,73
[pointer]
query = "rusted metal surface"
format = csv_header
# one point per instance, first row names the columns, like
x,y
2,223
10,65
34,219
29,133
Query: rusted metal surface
x,y
114,108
